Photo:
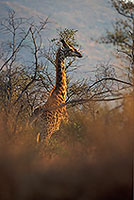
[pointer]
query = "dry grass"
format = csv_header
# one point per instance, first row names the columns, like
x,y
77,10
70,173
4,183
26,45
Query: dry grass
x,y
86,159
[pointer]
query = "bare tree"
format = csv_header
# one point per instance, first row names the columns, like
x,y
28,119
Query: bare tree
x,y
25,76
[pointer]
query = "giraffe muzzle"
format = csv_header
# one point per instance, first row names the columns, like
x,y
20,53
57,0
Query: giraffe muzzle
x,y
78,54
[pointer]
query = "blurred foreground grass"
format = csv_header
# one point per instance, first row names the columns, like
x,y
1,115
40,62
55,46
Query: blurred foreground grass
x,y
88,158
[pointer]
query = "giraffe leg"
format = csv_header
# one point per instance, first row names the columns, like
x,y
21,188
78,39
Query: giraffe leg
x,y
38,138
47,139
43,138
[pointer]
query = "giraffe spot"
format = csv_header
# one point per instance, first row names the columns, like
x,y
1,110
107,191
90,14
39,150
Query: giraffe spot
x,y
50,120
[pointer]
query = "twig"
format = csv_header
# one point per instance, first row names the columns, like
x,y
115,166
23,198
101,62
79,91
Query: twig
x,y
72,102
15,51
36,66
113,79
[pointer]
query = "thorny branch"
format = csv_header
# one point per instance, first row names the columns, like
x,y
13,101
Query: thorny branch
x,y
75,102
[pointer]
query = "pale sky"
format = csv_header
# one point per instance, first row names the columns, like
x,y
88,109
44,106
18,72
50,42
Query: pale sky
x,y
90,17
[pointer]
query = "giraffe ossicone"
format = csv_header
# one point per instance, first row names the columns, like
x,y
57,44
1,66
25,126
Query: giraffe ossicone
x,y
50,120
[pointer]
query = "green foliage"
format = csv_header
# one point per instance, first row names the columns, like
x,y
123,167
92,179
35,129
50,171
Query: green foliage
x,y
123,7
68,35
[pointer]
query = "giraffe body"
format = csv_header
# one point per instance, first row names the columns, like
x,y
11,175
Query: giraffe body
x,y
50,120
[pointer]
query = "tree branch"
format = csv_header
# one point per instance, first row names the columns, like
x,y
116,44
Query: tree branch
x,y
73,102
17,49
36,66
113,79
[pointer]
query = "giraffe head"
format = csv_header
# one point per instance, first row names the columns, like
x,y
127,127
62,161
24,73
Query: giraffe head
x,y
69,50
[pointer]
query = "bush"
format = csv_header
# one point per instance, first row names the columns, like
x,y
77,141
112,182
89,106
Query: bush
x,y
85,159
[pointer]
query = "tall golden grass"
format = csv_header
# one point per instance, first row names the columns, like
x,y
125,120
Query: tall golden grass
x,y
88,158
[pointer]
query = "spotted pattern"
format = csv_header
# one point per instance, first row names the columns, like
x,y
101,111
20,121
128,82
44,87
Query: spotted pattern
x,y
50,120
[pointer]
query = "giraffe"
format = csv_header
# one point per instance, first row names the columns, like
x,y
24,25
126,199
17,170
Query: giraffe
x,y
50,120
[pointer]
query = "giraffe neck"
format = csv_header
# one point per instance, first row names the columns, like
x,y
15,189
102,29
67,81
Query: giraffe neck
x,y
60,87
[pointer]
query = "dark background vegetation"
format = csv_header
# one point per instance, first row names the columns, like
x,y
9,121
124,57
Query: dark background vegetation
x,y
90,157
